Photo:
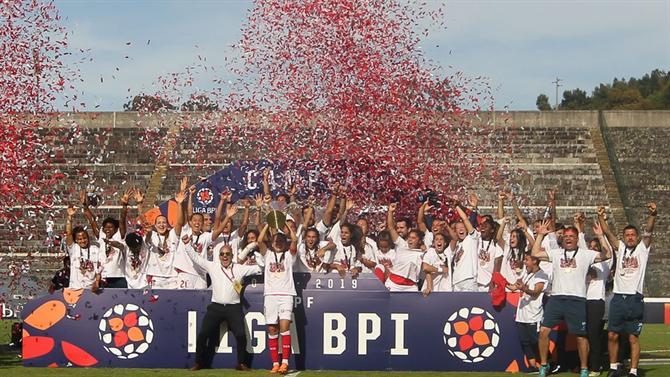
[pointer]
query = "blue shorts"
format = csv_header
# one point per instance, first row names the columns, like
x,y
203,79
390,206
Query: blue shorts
x,y
570,309
626,314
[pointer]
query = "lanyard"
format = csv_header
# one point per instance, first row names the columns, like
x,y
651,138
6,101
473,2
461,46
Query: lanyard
x,y
346,256
565,255
513,255
226,240
281,260
632,250
196,239
487,246
529,277
442,257
88,253
232,273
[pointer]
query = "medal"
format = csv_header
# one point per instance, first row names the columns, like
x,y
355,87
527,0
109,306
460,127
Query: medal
x,y
237,286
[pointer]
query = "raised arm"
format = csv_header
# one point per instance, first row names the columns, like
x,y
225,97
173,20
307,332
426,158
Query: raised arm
x,y
245,218
649,226
69,240
179,198
390,221
189,202
192,254
537,246
501,205
328,214
606,251
139,199
266,182
452,235
347,205
223,200
123,220
258,201
464,217
293,247
421,216
602,220
230,212
262,247
88,214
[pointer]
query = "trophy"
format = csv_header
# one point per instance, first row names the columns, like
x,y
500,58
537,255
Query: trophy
x,y
276,219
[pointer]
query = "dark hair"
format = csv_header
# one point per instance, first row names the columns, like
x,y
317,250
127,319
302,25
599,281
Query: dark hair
x,y
356,238
406,220
418,233
111,220
78,229
197,214
280,238
245,240
384,235
533,257
629,226
285,196
133,240
561,226
521,244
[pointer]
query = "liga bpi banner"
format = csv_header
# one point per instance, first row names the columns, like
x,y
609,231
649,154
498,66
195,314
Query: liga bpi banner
x,y
340,324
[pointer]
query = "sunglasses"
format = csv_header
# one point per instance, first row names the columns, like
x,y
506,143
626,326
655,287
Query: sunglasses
x,y
226,254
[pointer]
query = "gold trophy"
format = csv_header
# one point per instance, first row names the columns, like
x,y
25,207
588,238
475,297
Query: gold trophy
x,y
276,219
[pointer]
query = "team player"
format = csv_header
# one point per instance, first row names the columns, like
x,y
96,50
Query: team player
x,y
568,300
86,259
279,293
627,306
465,254
436,264
529,311
403,274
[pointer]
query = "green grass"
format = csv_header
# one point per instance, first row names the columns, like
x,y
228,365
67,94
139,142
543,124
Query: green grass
x,y
6,331
655,337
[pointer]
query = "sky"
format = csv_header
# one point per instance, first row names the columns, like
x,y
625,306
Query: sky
x,y
519,46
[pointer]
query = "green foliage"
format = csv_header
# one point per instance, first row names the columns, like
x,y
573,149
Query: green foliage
x,y
147,103
651,92
542,102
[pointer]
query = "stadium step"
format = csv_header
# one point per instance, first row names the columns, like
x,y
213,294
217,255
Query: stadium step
x,y
162,164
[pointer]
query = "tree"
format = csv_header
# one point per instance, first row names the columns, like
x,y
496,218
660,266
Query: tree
x,y
200,103
542,103
575,100
147,103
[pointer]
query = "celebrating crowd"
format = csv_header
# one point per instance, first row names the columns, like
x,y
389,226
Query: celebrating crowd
x,y
560,274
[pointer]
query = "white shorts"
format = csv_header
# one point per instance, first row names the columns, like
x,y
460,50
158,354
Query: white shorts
x,y
277,308
163,282
467,285
190,281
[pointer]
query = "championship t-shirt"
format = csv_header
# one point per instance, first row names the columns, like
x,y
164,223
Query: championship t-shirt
x,y
114,263
465,260
631,265
279,273
441,280
529,309
569,271
487,252
84,264
162,250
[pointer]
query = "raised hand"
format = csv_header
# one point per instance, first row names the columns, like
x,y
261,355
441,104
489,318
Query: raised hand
x,y
258,200
226,196
180,197
125,198
139,196
602,213
191,190
502,195
473,199
83,198
71,211
393,207
231,210
551,194
544,227
349,204
651,208
246,203
183,184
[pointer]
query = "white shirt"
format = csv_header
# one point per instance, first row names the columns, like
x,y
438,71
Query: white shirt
x,y
407,262
570,274
345,255
232,239
512,266
370,253
302,263
50,225
91,259
428,239
162,250
466,259
381,257
200,243
631,265
529,309
279,273
134,269
487,252
113,257
595,288
441,281
223,279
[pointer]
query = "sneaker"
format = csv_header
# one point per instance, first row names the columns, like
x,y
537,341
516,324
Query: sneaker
x,y
242,367
556,369
275,368
584,372
544,371
594,373
613,373
283,369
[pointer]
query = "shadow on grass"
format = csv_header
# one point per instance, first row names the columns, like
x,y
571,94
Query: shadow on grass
x,y
9,357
